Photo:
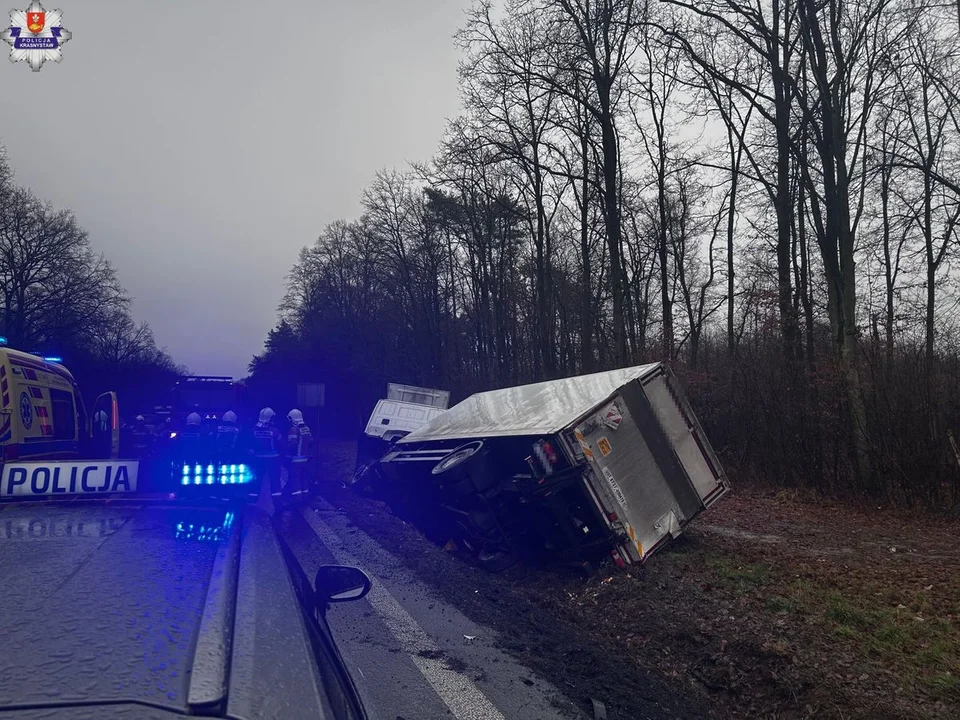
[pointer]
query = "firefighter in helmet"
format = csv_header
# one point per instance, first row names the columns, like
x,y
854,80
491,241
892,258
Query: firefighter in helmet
x,y
266,445
228,433
299,450
140,437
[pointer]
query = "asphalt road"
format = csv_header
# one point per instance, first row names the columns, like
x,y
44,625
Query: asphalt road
x,y
415,656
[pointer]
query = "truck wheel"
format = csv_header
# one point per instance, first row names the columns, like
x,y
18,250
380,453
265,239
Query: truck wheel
x,y
457,457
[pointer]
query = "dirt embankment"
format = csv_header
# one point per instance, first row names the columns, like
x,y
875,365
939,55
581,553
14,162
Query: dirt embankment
x,y
769,606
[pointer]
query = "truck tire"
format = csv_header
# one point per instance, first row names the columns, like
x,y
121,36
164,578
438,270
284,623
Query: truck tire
x,y
468,470
457,457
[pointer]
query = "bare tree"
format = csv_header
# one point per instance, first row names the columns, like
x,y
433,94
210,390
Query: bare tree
x,y
504,90
53,286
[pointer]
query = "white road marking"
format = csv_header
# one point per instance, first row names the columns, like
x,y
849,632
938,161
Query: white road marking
x,y
457,691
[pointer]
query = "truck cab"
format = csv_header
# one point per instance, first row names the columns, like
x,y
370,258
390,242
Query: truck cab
x,y
405,409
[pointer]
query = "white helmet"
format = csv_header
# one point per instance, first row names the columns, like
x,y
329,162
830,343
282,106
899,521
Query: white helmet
x,y
295,416
229,416
193,419
139,418
266,415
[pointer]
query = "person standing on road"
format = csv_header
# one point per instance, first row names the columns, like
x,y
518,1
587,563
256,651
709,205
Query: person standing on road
x,y
191,440
228,433
298,452
140,437
193,425
266,454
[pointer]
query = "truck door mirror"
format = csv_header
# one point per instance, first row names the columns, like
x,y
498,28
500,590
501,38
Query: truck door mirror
x,y
105,426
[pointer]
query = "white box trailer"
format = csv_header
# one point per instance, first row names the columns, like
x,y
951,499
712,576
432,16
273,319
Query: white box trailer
x,y
613,461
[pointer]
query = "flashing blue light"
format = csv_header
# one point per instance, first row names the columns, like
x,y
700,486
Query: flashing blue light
x,y
219,474
54,359
3,340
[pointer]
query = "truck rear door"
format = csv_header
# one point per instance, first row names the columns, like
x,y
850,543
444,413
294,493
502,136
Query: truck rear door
x,y
652,468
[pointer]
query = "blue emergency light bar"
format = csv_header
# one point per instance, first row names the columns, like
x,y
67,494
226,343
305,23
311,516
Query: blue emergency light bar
x,y
220,474
54,359
3,340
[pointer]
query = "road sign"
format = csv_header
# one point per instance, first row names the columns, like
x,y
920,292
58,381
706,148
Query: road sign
x,y
311,394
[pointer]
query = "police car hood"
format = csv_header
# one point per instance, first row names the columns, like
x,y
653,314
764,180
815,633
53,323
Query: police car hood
x,y
102,604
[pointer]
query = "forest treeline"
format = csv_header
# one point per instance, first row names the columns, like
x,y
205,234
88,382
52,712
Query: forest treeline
x,y
766,195
60,297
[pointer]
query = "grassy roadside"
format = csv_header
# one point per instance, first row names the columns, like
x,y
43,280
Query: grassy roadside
x,y
856,618
768,607
873,645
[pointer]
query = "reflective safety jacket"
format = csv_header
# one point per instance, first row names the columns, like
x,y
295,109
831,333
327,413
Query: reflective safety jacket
x,y
140,437
227,436
266,440
299,443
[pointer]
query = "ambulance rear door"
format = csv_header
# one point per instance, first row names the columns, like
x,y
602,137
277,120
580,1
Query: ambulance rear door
x,y
105,426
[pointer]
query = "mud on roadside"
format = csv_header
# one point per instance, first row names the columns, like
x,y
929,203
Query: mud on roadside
x,y
765,608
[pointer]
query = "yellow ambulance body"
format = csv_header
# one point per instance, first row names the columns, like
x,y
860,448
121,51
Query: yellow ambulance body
x,y
42,416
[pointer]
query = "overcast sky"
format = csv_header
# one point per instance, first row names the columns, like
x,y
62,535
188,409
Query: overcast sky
x,y
202,145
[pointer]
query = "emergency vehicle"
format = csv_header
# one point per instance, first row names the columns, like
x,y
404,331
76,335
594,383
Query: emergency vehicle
x,y
50,443
42,414
186,549
207,395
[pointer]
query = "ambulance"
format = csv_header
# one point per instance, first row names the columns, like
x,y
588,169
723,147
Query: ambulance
x,y
49,443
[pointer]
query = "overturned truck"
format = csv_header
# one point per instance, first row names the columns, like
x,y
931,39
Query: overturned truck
x,y
610,464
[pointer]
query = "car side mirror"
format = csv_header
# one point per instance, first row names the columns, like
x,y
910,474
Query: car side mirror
x,y
340,583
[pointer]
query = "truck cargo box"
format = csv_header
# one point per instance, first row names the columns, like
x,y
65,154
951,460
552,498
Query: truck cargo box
x,y
613,462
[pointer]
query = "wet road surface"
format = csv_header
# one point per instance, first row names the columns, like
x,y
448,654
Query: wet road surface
x,y
414,656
